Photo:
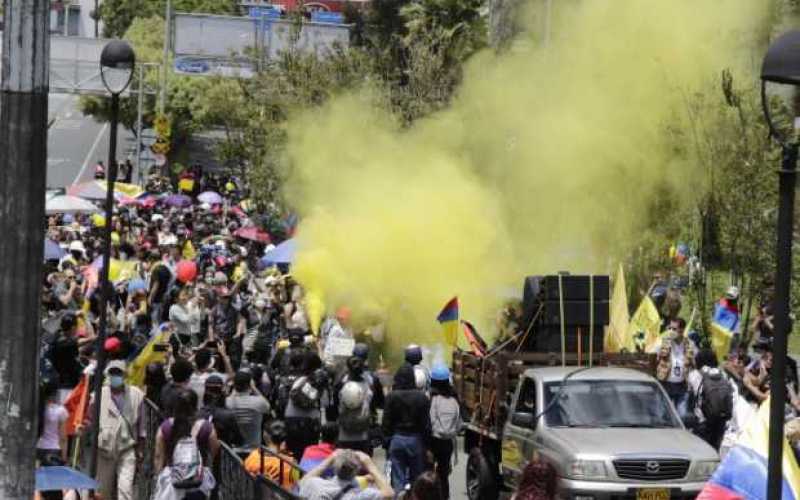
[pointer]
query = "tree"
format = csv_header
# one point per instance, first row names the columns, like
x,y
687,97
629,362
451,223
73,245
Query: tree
x,y
146,35
118,15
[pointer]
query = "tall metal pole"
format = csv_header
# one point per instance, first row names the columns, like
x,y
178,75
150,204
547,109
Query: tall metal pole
x,y
139,111
105,285
164,63
23,168
96,18
783,278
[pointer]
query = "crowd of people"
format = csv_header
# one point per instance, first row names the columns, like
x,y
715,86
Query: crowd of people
x,y
202,328
721,391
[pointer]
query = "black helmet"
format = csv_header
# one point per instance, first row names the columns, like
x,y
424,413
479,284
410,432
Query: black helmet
x,y
361,350
68,322
414,354
320,377
355,365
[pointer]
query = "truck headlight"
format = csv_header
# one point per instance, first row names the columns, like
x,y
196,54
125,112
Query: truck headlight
x,y
587,469
703,470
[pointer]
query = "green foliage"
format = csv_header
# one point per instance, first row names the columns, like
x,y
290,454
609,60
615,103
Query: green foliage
x,y
118,15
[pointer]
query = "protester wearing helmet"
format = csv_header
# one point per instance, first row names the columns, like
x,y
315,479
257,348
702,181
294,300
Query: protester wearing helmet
x,y
422,377
406,428
445,424
303,414
353,400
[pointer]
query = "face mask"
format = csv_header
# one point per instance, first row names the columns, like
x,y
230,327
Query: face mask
x,y
116,381
260,304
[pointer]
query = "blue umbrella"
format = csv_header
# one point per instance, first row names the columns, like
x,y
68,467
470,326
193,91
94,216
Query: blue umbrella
x,y
62,478
52,251
281,254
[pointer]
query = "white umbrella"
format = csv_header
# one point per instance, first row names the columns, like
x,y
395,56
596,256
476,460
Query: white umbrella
x,y
66,204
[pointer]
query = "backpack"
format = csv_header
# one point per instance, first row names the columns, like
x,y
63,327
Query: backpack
x,y
445,417
303,394
357,419
716,398
187,462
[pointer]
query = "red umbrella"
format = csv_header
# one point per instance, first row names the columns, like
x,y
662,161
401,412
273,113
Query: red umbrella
x,y
252,233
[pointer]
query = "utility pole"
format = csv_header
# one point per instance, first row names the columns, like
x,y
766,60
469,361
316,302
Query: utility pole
x,y
139,112
164,63
23,167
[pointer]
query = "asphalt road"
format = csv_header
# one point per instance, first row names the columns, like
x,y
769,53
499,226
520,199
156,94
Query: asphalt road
x,y
458,477
75,142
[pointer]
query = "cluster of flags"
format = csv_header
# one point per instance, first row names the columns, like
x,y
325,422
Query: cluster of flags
x,y
743,472
631,333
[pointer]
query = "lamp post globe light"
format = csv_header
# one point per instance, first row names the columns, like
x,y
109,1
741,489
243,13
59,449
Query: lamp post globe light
x,y
117,62
781,65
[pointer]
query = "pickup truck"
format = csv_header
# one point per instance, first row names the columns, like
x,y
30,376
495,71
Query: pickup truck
x,y
610,432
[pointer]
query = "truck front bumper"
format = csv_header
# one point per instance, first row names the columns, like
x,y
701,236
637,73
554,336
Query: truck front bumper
x,y
570,489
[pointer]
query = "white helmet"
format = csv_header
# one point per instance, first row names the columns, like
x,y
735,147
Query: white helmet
x,y
732,293
352,395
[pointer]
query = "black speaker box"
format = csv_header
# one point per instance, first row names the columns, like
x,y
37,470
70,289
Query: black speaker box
x,y
574,287
531,296
575,313
548,339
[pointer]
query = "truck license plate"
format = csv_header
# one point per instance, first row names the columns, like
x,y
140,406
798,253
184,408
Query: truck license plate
x,y
652,494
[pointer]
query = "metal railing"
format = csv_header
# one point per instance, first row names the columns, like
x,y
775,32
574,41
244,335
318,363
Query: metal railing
x,y
235,483
147,475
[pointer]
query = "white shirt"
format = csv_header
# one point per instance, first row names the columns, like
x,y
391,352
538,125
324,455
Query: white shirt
x,y
54,416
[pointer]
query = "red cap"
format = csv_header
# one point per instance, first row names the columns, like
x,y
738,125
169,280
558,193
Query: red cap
x,y
112,344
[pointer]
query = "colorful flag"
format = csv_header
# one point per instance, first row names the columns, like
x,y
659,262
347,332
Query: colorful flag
x,y
448,318
475,341
617,337
137,368
76,406
743,472
724,324
645,326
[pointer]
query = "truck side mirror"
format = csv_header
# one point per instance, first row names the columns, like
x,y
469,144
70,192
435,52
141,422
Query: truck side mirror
x,y
524,420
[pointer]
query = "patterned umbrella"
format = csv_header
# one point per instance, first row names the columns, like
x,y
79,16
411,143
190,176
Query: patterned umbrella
x,y
252,233
210,197
177,200
66,204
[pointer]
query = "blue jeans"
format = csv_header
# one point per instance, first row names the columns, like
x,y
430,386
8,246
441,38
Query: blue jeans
x,y
407,456
679,395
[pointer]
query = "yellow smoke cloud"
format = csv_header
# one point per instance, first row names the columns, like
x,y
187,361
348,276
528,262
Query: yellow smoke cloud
x,y
545,161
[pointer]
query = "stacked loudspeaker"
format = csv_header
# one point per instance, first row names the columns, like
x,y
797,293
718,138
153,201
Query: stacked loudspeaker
x,y
580,302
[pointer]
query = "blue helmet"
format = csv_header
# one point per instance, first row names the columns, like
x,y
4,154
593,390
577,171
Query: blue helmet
x,y
440,372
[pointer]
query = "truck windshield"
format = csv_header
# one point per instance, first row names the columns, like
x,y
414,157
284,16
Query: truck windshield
x,y
607,403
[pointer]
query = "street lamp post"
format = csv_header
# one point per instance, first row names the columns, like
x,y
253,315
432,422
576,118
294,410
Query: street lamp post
x,y
117,63
781,65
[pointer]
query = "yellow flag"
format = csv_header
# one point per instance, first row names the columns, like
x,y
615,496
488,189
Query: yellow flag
x,y
137,368
617,337
720,340
645,325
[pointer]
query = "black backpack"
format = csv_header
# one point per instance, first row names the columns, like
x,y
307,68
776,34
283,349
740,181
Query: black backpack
x,y
716,397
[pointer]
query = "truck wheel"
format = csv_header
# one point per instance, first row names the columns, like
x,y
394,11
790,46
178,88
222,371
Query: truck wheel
x,y
480,479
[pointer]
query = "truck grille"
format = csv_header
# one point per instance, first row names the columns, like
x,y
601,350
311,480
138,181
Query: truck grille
x,y
651,470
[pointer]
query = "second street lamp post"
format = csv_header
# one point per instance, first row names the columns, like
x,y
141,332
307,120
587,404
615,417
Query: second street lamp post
x,y
117,62
781,65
